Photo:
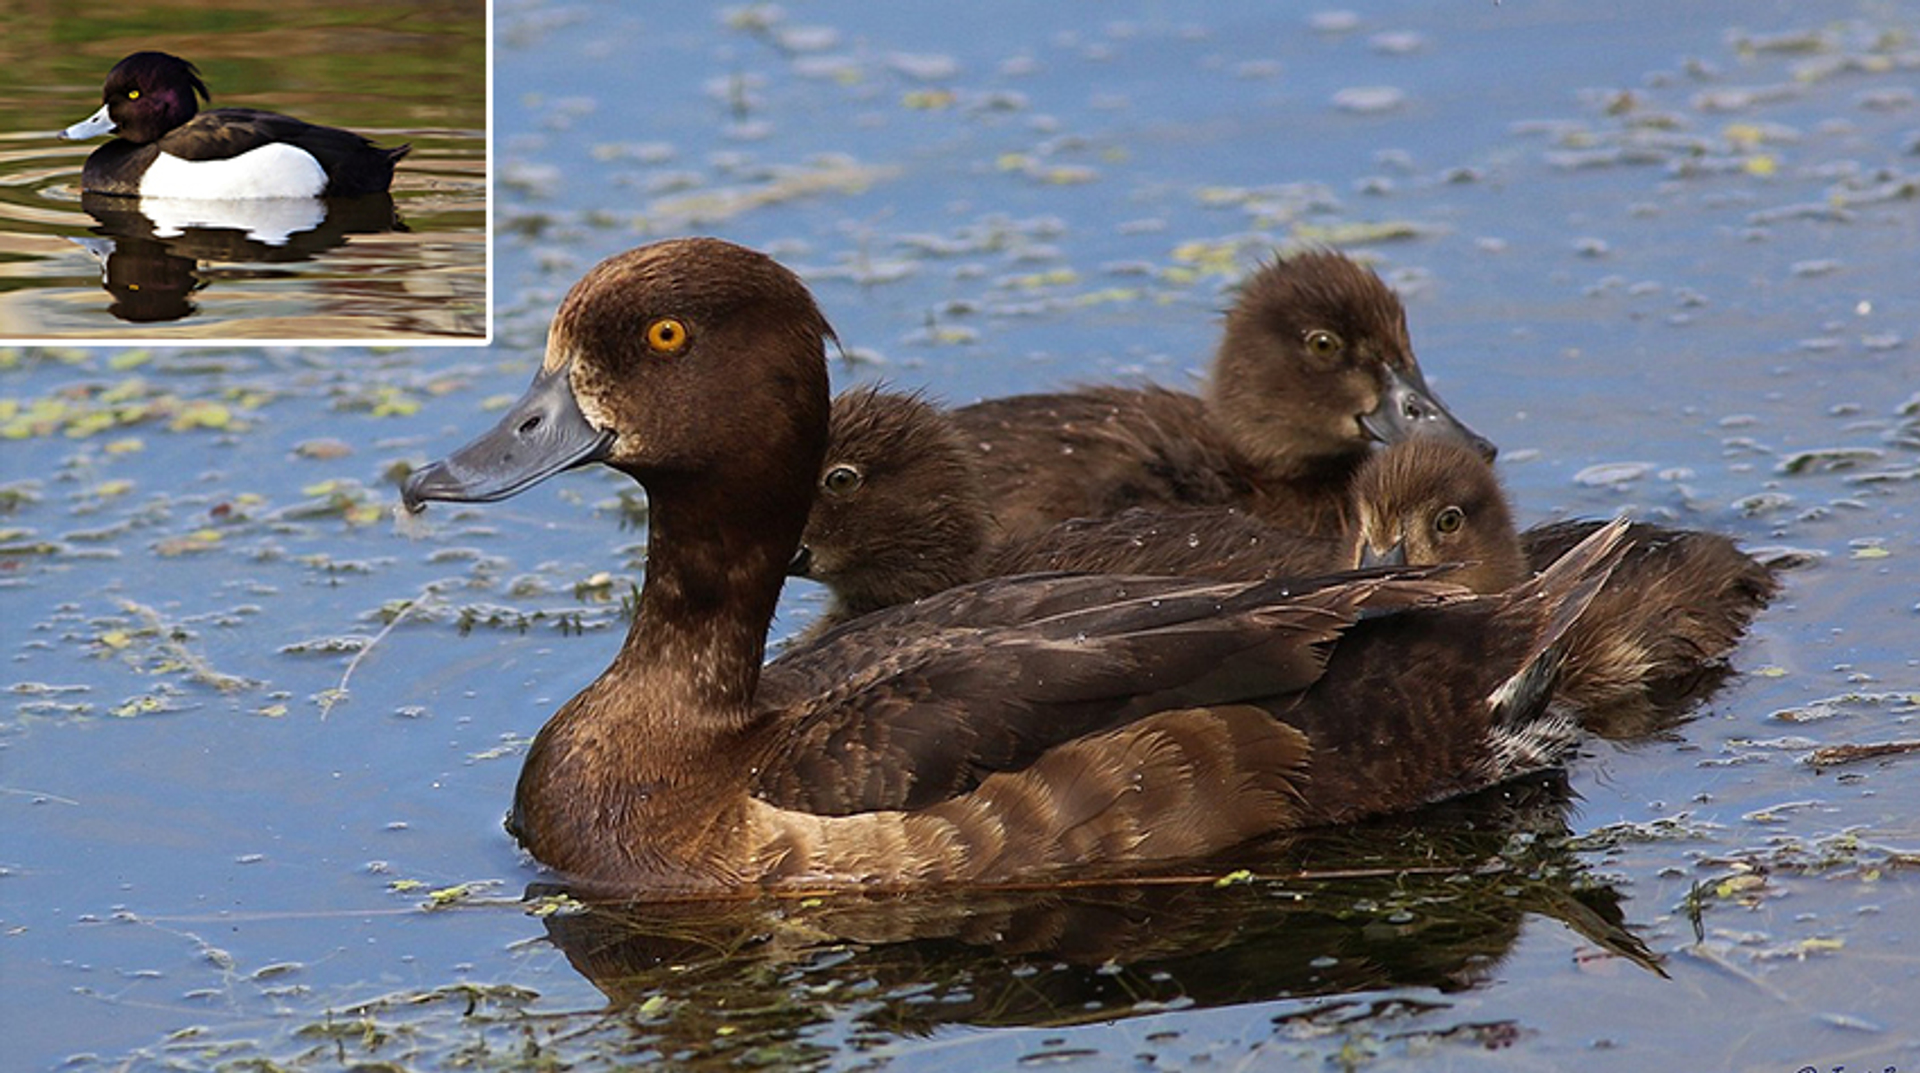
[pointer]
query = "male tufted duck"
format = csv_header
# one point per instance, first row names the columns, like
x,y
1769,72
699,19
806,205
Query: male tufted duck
x,y
1000,731
167,148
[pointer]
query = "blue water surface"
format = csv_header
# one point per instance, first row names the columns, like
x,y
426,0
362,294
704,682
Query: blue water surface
x,y
1662,254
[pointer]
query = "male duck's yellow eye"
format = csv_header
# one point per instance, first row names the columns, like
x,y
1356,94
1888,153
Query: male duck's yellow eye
x,y
1449,520
133,94
1324,343
666,335
842,479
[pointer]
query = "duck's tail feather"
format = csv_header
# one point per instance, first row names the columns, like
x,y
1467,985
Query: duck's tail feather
x,y
1528,730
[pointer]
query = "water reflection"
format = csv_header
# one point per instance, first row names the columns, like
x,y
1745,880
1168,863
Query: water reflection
x,y
154,252
1434,901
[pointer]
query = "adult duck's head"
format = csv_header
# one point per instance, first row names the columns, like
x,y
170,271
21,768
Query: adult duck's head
x,y
637,354
899,510
145,96
1315,366
1430,501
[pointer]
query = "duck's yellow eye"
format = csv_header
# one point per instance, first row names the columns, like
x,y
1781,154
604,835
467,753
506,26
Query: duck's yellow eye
x,y
1324,343
842,479
1449,520
133,94
666,335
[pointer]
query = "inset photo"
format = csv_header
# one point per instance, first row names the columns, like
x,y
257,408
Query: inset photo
x,y
295,171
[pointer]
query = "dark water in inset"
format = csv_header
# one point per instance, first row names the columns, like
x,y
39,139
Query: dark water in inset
x,y
1663,255
412,268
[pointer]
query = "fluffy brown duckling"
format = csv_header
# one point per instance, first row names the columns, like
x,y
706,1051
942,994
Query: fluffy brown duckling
x,y
999,731
1676,606
1313,368
900,514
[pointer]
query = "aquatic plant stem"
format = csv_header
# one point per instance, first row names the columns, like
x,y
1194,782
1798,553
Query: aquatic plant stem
x,y
330,697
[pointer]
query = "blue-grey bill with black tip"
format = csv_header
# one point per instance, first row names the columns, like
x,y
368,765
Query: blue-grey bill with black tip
x,y
1409,408
542,434
91,127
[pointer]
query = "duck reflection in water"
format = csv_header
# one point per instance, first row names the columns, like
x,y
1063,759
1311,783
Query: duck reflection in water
x,y
1435,900
155,254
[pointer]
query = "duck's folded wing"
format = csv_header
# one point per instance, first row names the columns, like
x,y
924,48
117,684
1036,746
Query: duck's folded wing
x,y
1173,785
914,706
228,132
1657,637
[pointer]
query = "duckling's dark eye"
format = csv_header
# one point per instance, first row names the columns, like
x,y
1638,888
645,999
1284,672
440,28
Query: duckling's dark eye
x,y
1323,343
842,479
666,336
1449,520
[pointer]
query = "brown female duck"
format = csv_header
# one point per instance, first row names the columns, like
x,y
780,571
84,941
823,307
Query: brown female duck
x,y
1675,607
894,490
1314,367
1001,730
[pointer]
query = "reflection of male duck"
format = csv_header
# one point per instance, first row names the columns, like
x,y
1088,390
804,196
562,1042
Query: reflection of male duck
x,y
167,147
262,230
148,284
154,252
268,221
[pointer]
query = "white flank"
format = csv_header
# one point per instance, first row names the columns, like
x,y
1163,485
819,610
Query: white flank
x,y
271,171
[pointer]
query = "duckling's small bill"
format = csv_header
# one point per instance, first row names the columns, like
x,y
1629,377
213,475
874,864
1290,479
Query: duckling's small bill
x,y
1409,408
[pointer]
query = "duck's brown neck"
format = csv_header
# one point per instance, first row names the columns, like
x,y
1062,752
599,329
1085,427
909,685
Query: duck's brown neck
x,y
1322,469
716,558
1305,492
640,779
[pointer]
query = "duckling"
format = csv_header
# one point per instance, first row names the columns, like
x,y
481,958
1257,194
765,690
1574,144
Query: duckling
x,y
1314,366
898,511
900,514
1428,502
1678,603
1675,607
1000,731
